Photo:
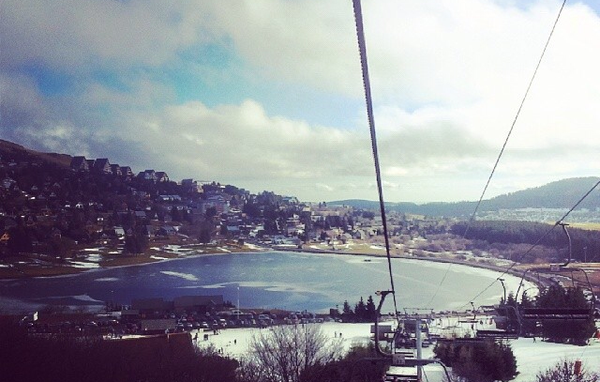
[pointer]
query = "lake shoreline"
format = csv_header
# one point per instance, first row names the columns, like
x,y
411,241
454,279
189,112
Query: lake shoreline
x,y
297,283
179,252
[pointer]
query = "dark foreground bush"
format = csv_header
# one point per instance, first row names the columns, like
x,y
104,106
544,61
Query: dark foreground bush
x,y
66,359
485,361
360,364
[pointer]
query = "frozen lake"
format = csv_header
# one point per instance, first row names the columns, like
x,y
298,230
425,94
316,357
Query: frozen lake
x,y
284,280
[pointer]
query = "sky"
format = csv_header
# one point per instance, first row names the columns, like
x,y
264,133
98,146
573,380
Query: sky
x,y
268,94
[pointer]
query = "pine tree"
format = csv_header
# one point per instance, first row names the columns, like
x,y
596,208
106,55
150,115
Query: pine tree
x,y
371,309
571,331
360,310
347,312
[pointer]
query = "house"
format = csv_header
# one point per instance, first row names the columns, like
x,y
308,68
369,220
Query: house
x,y
149,175
151,305
115,169
200,304
126,172
102,165
79,164
120,232
158,326
291,200
166,230
216,201
161,176
234,230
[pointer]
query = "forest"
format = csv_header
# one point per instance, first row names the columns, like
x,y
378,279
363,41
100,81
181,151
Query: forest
x,y
551,241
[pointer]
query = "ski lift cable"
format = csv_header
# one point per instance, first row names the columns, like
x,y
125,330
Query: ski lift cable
x,y
515,119
518,113
561,220
369,103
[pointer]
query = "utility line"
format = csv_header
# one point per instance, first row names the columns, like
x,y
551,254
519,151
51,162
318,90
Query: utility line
x,y
536,243
367,87
472,218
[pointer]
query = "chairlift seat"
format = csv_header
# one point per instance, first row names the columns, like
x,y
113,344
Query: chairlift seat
x,y
556,314
497,333
464,340
401,374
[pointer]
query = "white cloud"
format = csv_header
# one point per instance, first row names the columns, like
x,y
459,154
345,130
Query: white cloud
x,y
76,35
448,77
241,141
324,187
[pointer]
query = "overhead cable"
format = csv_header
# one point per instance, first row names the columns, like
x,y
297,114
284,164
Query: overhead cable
x,y
515,119
472,218
362,46
558,222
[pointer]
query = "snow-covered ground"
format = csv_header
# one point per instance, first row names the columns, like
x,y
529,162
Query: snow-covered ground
x,y
532,356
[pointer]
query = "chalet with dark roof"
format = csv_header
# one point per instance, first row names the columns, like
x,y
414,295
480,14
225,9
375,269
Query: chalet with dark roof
x,y
115,169
102,165
161,176
79,164
148,175
126,171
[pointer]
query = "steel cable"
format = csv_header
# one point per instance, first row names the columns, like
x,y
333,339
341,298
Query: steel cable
x,y
472,218
367,87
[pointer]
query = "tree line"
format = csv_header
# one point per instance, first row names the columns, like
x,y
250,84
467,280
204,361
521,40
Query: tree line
x,y
585,244
362,312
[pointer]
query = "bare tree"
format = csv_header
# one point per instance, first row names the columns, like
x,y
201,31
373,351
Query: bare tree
x,y
567,371
281,353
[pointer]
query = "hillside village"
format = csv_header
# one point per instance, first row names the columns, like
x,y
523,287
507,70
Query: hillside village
x,y
58,211
54,206
61,214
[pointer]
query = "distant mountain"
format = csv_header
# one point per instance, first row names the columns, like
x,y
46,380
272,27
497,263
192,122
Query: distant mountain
x,y
560,194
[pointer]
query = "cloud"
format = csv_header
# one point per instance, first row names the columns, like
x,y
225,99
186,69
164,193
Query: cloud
x,y
446,87
76,35
325,187
242,141
27,117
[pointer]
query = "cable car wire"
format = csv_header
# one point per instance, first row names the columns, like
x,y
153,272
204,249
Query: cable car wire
x,y
473,215
368,99
536,243
515,119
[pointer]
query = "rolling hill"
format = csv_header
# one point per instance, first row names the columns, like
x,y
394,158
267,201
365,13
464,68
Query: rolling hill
x,y
562,194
